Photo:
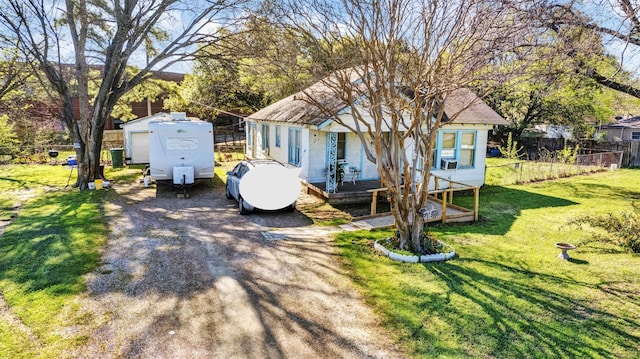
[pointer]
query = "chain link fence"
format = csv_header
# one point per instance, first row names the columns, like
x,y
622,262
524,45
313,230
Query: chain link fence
x,y
518,172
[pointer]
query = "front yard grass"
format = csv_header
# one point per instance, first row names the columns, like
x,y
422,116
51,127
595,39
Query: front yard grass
x,y
44,254
506,294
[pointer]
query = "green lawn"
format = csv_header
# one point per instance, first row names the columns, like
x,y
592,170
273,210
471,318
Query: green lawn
x,y
44,254
507,295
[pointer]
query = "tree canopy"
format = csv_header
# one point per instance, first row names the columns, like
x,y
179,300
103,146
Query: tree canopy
x,y
111,35
612,23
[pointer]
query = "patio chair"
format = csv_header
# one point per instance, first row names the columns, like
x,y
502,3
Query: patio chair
x,y
350,174
429,211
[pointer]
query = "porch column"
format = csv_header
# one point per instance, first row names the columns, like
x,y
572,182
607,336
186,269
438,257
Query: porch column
x,y
331,159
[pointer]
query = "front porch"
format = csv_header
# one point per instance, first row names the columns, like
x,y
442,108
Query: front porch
x,y
440,207
348,192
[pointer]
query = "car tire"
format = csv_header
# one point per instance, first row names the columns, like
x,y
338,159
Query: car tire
x,y
226,192
241,207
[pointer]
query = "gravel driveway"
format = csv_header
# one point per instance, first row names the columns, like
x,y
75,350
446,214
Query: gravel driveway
x,y
191,278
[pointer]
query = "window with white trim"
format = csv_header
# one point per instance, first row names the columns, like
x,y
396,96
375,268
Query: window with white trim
x,y
265,137
294,146
635,136
467,149
251,131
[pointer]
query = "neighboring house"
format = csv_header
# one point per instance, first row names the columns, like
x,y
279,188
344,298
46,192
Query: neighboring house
x,y
296,132
136,136
622,130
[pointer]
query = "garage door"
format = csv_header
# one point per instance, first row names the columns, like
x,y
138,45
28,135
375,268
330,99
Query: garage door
x,y
139,147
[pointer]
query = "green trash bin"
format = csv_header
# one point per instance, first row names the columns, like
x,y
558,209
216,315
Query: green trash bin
x,y
116,157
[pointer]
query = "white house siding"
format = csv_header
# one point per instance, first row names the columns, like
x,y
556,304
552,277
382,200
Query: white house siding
x,y
281,153
317,156
620,134
313,152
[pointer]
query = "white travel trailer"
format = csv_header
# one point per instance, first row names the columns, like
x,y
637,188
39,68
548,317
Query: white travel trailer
x,y
181,150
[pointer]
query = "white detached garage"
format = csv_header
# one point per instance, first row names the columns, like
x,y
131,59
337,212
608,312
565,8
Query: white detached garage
x,y
136,136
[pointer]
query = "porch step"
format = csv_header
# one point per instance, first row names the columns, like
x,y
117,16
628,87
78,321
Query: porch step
x,y
373,223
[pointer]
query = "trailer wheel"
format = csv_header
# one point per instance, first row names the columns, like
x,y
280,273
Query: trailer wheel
x,y
241,207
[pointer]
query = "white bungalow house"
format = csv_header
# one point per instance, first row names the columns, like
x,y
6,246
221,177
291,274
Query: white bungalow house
x,y
297,133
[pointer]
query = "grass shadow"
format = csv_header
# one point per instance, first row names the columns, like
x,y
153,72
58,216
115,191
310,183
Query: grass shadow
x,y
500,207
53,243
516,312
577,261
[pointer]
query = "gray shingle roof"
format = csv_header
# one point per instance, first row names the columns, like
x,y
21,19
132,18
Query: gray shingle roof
x,y
633,122
297,108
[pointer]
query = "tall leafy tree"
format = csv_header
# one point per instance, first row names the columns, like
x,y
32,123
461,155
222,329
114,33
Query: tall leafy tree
x,y
214,87
110,34
616,23
262,64
414,56
8,139
543,93
13,73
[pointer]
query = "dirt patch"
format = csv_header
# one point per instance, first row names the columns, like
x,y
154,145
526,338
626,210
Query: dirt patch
x,y
193,278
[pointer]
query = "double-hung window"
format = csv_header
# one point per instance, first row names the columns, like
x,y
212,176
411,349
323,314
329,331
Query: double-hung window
x,y
448,148
467,149
458,146
251,131
265,137
294,146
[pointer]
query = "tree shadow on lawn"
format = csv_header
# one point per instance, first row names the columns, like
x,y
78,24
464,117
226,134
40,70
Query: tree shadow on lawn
x,y
515,312
500,207
50,246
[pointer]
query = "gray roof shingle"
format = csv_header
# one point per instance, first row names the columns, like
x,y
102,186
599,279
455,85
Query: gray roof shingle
x,y
299,109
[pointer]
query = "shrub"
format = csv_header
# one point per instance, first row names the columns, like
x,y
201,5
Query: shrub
x,y
9,143
568,154
621,228
512,151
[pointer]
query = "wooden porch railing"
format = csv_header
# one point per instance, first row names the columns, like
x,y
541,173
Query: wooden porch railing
x,y
446,197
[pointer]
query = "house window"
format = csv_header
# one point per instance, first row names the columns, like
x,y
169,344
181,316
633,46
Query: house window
x,y
467,149
294,146
448,148
265,137
250,132
341,152
278,136
635,136
457,146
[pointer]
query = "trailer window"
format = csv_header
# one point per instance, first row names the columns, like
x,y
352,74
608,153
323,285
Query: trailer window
x,y
174,144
